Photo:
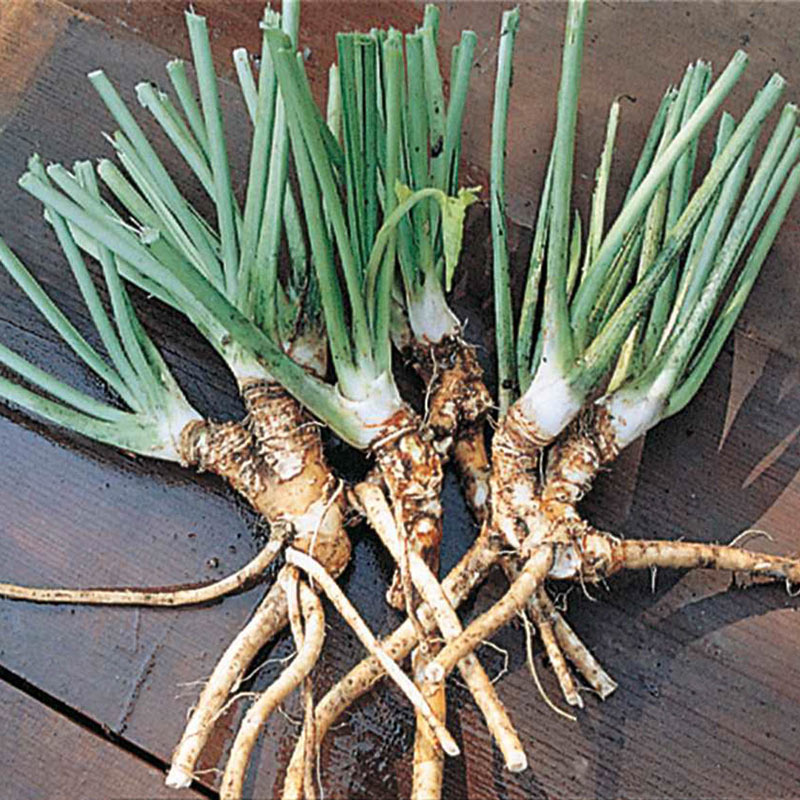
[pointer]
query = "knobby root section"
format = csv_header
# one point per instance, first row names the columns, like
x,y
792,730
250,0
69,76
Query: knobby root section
x,y
514,485
284,474
373,502
459,583
573,462
457,398
317,573
309,635
411,471
471,461
457,407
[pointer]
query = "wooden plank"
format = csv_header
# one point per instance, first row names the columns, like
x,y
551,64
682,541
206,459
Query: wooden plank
x,y
47,757
78,514
708,703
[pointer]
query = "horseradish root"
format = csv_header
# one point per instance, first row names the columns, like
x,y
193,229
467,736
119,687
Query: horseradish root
x,y
379,516
313,635
316,572
268,620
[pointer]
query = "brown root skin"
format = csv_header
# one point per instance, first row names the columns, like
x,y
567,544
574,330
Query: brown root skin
x,y
457,397
471,460
514,481
411,470
561,641
279,466
457,406
575,459
300,490
226,449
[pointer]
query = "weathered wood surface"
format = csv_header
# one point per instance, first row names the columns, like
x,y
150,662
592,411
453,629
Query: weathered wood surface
x,y
708,705
36,738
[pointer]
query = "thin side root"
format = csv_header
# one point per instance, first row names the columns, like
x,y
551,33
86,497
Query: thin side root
x,y
528,628
497,720
253,722
268,619
577,652
151,597
315,570
554,654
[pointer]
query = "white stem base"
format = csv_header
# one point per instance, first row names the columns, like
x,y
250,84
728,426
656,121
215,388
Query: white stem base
x,y
550,402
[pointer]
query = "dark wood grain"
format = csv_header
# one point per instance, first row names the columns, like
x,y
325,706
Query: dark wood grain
x,y
708,704
47,756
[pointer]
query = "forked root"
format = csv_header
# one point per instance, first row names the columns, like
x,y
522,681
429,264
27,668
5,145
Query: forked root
x,y
372,500
554,653
576,651
531,577
462,579
315,571
309,648
560,641
171,597
268,620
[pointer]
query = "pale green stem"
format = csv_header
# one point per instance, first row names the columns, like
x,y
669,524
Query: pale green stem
x,y
605,345
504,321
176,70
160,176
393,76
459,86
212,114
244,73
640,199
558,349
733,306
192,155
526,363
289,79
59,322
597,218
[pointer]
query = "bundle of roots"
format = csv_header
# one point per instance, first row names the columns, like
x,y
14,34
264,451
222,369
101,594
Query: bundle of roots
x,y
523,488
